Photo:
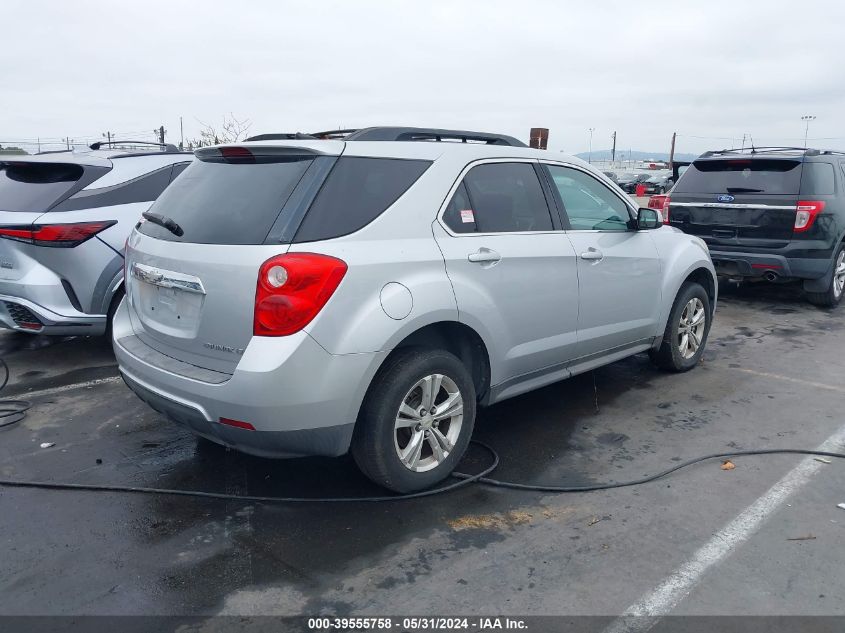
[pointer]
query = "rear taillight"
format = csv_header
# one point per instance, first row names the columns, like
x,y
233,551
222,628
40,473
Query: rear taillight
x,y
665,210
805,214
291,291
56,235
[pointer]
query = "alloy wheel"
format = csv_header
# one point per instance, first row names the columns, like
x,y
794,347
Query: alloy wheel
x,y
428,423
839,275
691,327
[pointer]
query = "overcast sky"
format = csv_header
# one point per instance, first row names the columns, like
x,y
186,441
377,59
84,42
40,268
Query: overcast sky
x,y
714,69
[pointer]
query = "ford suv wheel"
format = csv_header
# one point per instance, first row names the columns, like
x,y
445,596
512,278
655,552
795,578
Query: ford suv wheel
x,y
833,295
416,421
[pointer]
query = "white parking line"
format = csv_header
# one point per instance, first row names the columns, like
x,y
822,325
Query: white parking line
x,y
645,613
76,385
806,383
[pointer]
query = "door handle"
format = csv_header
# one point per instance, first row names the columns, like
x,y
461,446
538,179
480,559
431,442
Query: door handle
x,y
484,255
592,254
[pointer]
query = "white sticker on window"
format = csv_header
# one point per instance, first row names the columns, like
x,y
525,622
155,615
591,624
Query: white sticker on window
x,y
467,216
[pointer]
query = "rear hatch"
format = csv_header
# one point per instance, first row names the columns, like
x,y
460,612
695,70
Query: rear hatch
x,y
29,187
746,202
192,295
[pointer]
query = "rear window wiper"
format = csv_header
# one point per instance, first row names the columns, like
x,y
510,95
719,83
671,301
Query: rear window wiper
x,y
743,190
164,221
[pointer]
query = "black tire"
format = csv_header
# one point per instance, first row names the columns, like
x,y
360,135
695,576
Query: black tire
x,y
115,303
669,356
830,298
374,444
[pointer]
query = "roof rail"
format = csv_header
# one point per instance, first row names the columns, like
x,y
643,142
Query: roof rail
x,y
167,147
759,150
281,136
431,134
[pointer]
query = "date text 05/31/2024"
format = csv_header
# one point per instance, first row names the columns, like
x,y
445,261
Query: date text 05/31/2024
x,y
416,624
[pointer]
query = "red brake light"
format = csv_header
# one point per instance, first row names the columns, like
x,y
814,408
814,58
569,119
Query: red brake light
x,y
806,212
665,210
57,235
292,289
237,155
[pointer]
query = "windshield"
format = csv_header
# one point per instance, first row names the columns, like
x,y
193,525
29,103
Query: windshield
x,y
35,187
223,203
744,175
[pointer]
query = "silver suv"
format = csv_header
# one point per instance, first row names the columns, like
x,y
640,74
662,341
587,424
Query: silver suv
x,y
312,297
64,218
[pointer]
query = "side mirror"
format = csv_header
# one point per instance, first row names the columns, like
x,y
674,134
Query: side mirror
x,y
648,219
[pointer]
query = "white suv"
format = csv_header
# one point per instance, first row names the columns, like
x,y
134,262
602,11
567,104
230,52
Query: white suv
x,y
310,296
64,219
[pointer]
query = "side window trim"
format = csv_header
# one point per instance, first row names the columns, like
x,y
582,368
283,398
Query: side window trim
x,y
144,188
560,221
632,212
460,180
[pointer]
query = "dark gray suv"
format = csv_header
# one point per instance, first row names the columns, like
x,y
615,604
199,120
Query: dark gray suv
x,y
773,213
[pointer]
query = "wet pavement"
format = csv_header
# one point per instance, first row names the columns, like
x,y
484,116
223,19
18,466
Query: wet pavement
x,y
773,376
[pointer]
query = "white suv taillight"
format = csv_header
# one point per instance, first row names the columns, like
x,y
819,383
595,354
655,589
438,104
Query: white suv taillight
x,y
292,289
805,214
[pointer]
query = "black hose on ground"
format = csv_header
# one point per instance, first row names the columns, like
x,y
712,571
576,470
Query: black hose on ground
x,y
13,411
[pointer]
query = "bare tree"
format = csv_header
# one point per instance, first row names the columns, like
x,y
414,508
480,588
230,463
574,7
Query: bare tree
x,y
230,130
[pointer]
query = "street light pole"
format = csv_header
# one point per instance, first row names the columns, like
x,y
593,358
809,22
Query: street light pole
x,y
807,118
590,154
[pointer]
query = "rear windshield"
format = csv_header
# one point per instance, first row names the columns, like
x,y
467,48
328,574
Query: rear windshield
x,y
35,187
742,175
224,203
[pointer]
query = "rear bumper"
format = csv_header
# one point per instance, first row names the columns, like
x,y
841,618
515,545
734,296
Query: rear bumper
x,y
300,399
23,315
733,264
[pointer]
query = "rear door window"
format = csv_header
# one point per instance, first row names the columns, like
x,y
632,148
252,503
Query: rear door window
x,y
227,203
35,187
502,197
355,193
817,179
459,215
742,175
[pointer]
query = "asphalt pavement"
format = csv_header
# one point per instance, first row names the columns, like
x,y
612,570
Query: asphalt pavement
x,y
764,538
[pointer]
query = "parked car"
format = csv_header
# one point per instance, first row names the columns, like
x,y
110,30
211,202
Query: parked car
x,y
311,297
658,202
629,182
658,184
64,219
769,213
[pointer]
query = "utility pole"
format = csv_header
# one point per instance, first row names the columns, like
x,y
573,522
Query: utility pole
x,y
590,154
160,133
672,153
108,136
181,135
67,142
613,151
39,144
